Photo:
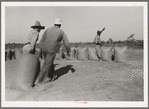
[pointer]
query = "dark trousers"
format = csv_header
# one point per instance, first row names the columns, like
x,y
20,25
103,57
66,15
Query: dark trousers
x,y
47,69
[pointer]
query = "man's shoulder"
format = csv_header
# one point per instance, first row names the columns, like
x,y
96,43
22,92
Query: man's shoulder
x,y
49,28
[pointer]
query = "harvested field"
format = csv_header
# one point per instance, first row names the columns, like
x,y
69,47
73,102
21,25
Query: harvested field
x,y
86,81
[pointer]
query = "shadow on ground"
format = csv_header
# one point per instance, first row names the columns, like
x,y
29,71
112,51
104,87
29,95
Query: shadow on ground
x,y
63,71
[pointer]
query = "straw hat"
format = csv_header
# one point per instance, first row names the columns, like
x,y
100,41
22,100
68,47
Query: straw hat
x,y
38,25
58,21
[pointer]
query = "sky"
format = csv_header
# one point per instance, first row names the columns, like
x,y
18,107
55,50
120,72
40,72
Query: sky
x,y
80,23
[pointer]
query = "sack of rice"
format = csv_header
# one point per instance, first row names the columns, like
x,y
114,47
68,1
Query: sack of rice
x,y
92,53
72,54
98,51
106,53
82,53
17,53
59,55
26,72
120,54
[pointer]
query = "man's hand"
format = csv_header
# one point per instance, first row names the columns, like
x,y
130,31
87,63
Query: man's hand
x,y
32,51
103,29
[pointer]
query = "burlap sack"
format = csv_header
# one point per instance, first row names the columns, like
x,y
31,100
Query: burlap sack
x,y
17,53
92,53
120,54
26,72
106,53
82,53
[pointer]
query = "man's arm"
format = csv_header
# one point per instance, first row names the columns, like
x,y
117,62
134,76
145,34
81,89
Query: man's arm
x,y
102,30
66,43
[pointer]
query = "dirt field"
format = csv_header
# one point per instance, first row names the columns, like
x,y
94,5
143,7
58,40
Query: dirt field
x,y
86,81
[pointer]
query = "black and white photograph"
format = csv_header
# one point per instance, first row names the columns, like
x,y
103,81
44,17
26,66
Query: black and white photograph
x,y
74,54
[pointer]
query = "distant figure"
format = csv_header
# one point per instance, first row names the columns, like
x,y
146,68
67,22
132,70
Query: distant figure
x,y
30,46
110,41
98,44
50,45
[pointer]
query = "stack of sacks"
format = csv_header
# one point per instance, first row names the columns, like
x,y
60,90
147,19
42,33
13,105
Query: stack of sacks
x,y
106,53
120,54
59,55
92,53
72,54
82,53
26,72
18,53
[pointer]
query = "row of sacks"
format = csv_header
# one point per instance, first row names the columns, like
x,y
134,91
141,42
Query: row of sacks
x,y
11,54
80,53
89,53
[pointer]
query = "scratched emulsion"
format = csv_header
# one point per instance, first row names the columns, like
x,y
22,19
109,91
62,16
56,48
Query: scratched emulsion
x,y
87,81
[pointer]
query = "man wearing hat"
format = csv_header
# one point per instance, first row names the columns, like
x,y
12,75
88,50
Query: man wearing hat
x,y
32,38
50,45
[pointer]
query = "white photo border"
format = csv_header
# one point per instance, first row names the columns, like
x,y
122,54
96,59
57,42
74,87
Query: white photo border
x,y
72,103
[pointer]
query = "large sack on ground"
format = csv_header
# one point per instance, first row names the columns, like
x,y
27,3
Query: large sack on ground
x,y
92,53
26,72
106,53
17,53
120,54
72,54
82,53
59,55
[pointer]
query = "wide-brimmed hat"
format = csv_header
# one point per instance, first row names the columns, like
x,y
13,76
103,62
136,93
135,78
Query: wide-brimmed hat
x,y
58,21
38,25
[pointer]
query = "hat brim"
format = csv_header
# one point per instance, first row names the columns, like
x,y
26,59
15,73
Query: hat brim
x,y
39,27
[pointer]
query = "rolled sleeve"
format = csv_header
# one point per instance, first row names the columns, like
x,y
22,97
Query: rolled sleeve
x,y
66,42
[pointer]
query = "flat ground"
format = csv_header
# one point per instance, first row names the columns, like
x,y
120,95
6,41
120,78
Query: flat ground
x,y
86,81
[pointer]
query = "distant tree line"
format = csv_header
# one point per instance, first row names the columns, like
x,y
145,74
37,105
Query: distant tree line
x,y
75,44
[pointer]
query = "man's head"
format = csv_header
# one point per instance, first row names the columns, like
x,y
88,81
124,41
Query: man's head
x,y
58,22
98,32
38,29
